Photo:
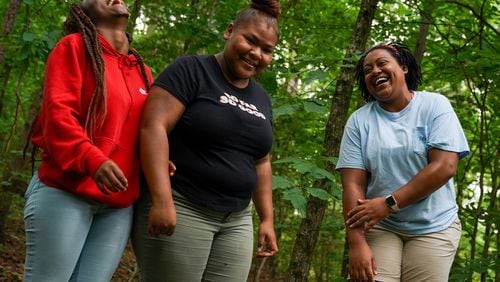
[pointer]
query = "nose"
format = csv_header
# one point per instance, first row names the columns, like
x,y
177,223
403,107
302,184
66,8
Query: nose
x,y
375,70
256,53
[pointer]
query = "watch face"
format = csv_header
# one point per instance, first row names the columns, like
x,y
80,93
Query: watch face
x,y
390,201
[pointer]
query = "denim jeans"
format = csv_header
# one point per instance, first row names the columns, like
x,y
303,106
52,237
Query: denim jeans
x,y
70,238
206,245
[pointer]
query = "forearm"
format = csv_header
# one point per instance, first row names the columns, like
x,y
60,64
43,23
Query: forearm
x,y
154,153
355,235
440,169
353,189
263,195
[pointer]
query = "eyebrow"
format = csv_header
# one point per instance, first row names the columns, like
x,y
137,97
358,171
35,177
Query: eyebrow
x,y
258,39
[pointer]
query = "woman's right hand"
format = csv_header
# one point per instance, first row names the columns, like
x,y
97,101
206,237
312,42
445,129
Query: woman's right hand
x,y
362,266
110,178
162,220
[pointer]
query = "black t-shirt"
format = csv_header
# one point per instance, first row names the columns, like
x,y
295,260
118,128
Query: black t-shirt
x,y
221,134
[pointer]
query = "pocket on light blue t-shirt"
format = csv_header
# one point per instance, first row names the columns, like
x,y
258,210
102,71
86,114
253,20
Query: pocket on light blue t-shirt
x,y
419,139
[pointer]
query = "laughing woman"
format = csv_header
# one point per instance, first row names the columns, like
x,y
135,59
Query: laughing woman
x,y
208,115
398,156
78,210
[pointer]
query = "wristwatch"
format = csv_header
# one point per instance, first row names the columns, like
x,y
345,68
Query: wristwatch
x,y
390,201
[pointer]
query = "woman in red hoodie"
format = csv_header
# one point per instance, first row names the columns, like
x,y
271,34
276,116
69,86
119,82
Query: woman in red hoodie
x,y
78,210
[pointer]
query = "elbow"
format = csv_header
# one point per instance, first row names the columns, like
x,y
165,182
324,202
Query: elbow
x,y
449,169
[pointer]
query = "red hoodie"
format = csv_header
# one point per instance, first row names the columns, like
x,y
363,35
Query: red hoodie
x,y
70,158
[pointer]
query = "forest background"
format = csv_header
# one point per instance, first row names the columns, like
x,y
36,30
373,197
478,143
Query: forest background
x,y
311,84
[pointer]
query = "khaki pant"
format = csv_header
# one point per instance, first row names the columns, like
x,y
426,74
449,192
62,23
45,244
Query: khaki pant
x,y
206,245
412,258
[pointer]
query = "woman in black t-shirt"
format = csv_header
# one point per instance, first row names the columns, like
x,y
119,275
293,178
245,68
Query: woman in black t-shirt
x,y
208,116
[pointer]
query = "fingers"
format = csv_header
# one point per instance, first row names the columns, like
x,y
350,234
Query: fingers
x,y
266,252
369,224
367,214
171,168
267,247
358,219
362,274
157,231
374,267
109,178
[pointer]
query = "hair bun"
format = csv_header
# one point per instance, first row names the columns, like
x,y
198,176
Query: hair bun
x,y
270,7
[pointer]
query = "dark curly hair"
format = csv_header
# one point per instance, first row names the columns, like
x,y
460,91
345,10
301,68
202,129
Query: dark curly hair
x,y
403,56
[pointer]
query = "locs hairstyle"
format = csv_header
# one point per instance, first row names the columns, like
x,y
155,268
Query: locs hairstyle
x,y
403,56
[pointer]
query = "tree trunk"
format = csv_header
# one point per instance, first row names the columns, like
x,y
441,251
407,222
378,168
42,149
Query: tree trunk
x,y
307,234
426,18
134,14
10,18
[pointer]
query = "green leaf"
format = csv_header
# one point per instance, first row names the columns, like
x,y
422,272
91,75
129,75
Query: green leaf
x,y
319,193
297,199
280,182
28,36
286,109
315,107
333,160
309,168
315,75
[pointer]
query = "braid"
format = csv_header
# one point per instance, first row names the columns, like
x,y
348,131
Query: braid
x,y
79,22
141,65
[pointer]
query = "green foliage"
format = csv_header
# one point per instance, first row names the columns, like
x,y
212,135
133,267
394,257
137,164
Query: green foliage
x,y
460,62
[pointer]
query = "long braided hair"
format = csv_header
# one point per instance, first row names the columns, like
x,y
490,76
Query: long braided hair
x,y
79,22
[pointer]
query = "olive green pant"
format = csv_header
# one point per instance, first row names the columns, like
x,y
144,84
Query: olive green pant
x,y
414,258
206,245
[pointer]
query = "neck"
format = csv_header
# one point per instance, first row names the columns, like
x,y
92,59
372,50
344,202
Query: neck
x,y
240,83
117,38
399,104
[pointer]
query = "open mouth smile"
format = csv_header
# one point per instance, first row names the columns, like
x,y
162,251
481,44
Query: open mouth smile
x,y
380,80
114,2
250,63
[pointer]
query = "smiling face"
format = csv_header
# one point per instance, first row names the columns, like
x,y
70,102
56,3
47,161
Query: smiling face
x,y
384,76
103,11
248,50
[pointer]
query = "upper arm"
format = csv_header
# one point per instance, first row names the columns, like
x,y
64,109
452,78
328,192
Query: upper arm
x,y
161,109
353,178
447,160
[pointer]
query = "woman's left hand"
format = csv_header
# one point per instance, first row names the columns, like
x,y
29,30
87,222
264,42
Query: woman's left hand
x,y
368,213
267,246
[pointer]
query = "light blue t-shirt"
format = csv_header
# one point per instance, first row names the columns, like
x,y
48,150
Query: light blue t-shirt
x,y
392,147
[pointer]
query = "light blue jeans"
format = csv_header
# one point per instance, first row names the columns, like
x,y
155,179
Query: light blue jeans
x,y
70,238
206,245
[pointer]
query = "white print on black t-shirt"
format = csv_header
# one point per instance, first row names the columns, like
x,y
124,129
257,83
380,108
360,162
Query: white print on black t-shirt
x,y
244,106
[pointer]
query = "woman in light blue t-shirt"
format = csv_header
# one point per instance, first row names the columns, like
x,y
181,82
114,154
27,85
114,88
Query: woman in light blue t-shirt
x,y
397,160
